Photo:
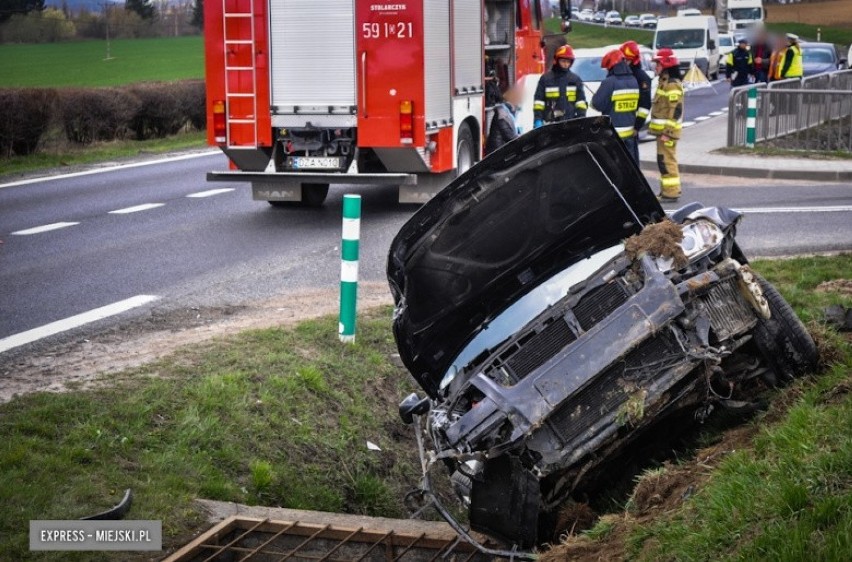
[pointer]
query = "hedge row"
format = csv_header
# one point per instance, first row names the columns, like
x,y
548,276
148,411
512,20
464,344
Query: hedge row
x,y
84,115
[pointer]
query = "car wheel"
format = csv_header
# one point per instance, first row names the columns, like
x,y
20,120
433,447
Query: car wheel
x,y
465,151
787,346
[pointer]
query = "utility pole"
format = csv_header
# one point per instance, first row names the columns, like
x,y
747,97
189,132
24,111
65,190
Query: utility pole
x,y
722,14
106,6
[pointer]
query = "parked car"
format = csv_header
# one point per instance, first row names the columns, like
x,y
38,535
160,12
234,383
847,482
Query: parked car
x,y
821,57
600,17
547,345
612,18
587,15
648,20
575,13
632,21
587,65
726,44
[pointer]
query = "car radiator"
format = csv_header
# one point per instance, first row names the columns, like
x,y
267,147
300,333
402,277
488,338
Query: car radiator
x,y
730,314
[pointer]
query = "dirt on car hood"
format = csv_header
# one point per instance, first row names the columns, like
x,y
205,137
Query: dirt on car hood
x,y
527,211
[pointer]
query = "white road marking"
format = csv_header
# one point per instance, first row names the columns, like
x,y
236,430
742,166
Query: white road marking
x,y
715,113
210,192
113,168
45,228
72,322
136,209
724,109
702,118
688,124
787,210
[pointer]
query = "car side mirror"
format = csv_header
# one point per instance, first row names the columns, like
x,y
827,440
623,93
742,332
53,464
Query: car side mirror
x,y
711,44
412,405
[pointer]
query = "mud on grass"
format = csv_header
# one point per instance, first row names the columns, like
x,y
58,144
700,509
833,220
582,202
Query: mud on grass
x,y
273,416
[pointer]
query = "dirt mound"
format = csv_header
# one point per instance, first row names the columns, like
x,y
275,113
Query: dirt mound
x,y
839,286
574,518
660,239
837,13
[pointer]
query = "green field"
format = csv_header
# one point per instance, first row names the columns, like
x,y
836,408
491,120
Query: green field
x,y
838,35
584,35
82,63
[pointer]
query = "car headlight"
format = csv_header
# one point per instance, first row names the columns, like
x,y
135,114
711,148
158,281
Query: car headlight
x,y
699,238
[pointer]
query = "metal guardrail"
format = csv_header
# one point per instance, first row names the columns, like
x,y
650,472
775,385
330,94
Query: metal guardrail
x,y
814,113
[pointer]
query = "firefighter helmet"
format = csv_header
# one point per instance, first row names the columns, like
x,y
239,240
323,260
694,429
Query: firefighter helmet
x,y
666,58
564,52
611,59
631,52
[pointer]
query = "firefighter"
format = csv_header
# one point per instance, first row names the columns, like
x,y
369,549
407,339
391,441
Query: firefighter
x,y
504,126
618,98
791,64
739,64
633,55
667,122
559,95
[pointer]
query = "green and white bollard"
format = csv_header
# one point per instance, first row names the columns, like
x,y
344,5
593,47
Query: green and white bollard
x,y
751,118
349,266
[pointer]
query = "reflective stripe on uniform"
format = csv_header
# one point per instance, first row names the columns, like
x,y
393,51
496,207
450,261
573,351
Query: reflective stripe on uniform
x,y
674,124
551,92
625,94
625,100
625,132
657,124
581,105
642,112
571,93
538,104
670,181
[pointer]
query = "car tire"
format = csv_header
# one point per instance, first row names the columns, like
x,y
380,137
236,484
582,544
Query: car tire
x,y
786,345
465,151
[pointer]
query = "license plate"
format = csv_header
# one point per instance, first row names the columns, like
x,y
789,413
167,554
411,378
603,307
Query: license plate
x,y
313,162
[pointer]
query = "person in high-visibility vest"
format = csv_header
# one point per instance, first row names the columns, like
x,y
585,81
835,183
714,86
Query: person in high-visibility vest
x,y
667,122
560,94
739,64
618,98
791,65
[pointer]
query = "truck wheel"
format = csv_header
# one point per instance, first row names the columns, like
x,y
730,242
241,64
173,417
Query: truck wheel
x,y
784,341
314,194
465,151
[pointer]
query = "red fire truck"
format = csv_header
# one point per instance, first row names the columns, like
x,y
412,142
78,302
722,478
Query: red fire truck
x,y
306,93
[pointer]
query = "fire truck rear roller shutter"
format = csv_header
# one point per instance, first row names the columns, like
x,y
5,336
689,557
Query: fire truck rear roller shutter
x,y
467,46
313,53
437,63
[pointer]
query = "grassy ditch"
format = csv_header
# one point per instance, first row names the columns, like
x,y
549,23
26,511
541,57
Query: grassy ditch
x,y
282,416
65,154
586,35
777,488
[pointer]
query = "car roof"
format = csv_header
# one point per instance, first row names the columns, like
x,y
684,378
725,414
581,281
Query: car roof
x,y
815,44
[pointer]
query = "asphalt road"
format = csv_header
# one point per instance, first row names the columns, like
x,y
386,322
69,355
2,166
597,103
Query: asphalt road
x,y
225,249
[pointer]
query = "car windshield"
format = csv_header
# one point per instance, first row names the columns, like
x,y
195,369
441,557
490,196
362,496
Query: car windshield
x,y
680,39
528,307
589,69
745,13
725,41
818,55
613,14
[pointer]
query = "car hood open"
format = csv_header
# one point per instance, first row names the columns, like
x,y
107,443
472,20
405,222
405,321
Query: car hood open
x,y
537,205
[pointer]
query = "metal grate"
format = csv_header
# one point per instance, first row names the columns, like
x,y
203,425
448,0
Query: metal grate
x,y
612,388
729,312
540,348
600,303
263,540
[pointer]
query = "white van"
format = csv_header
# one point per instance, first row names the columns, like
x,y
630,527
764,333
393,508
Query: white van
x,y
743,14
693,39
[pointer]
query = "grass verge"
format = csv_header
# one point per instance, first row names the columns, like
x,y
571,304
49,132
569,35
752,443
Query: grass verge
x,y
271,417
585,35
99,152
83,63
776,489
770,151
841,36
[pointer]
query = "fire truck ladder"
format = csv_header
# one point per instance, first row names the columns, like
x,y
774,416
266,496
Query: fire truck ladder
x,y
240,92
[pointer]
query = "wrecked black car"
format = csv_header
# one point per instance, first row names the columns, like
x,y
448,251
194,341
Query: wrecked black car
x,y
547,344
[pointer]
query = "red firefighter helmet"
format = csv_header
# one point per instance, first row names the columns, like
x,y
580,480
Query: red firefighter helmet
x,y
666,58
564,52
611,59
631,52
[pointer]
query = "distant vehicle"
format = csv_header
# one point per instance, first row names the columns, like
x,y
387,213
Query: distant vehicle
x,y
743,14
600,17
689,12
727,43
587,65
632,21
612,18
821,57
575,13
586,15
693,39
648,20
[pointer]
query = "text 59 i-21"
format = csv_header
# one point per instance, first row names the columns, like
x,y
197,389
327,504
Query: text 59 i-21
x,y
387,30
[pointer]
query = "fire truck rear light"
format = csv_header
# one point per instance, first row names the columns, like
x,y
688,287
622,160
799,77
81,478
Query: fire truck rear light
x,y
220,132
406,122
